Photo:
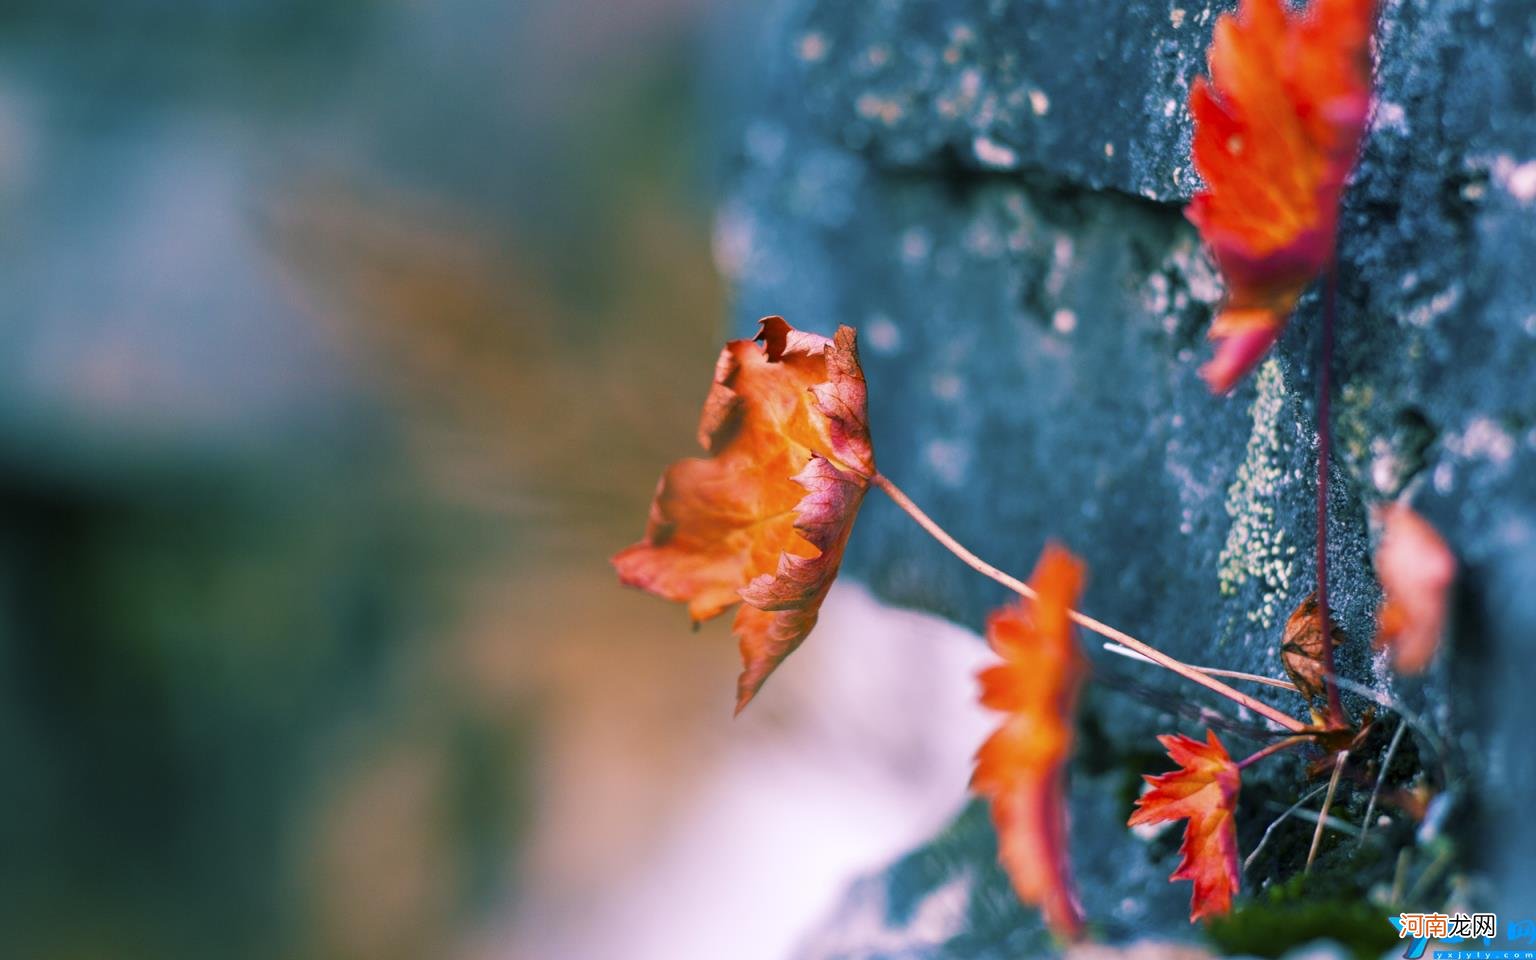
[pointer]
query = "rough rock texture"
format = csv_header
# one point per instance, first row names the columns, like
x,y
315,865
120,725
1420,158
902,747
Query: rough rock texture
x,y
992,191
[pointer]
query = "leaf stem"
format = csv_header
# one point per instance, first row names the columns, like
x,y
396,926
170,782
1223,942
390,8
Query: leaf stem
x,y
1273,748
1212,671
1336,716
1104,630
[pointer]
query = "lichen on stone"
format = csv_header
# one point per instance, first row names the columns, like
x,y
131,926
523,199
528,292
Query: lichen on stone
x,y
1363,452
1256,547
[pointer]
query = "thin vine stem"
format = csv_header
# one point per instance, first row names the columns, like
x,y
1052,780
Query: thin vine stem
x,y
1212,671
1102,629
1247,863
1336,716
1341,758
1273,748
1381,775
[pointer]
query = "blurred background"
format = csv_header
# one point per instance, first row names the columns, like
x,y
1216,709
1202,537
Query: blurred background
x,y
342,343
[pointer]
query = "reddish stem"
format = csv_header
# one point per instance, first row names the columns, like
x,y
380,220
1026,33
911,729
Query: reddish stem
x,y
1273,748
1336,716
1104,630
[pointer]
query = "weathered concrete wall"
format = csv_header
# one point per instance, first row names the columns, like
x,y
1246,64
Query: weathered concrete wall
x,y
992,192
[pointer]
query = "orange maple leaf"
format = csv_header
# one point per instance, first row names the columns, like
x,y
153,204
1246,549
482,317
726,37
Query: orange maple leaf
x,y
1277,129
1204,791
1021,766
765,517
1301,648
1416,570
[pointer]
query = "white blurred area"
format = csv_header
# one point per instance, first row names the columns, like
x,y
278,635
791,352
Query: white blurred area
x,y
858,749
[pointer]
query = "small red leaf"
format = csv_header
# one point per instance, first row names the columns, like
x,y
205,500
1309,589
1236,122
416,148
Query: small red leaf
x,y
1204,791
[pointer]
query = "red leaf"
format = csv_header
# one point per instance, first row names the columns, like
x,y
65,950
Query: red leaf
x,y
1204,791
765,517
1416,570
1021,767
1277,129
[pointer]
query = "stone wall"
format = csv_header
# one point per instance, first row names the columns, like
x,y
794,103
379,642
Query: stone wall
x,y
992,192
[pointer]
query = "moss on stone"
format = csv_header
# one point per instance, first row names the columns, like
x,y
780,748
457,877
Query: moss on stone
x,y
1303,909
